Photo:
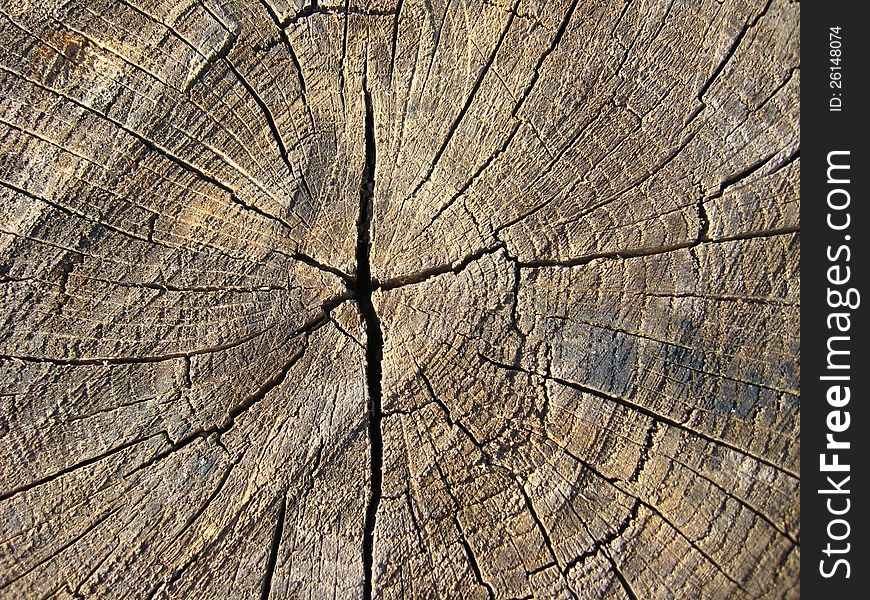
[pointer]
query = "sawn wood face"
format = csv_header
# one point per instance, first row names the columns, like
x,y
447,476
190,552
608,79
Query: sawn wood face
x,y
465,299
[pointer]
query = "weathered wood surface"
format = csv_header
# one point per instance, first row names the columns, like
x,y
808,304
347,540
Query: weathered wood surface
x,y
418,299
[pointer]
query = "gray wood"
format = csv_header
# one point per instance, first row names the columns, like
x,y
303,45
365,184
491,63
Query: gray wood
x,y
478,299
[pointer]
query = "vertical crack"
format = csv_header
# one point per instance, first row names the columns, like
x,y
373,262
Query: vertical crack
x,y
374,338
703,223
273,551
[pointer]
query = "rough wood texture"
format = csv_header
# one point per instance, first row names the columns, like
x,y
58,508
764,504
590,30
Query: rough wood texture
x,y
473,299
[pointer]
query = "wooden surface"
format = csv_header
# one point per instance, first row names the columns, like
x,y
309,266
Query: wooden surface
x,y
464,299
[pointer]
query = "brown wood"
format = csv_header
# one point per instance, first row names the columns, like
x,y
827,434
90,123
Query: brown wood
x,y
479,299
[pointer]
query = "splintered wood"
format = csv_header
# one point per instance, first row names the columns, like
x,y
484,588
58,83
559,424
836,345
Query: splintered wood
x,y
424,299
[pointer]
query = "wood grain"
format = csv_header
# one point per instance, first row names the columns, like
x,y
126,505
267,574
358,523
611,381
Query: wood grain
x,y
476,299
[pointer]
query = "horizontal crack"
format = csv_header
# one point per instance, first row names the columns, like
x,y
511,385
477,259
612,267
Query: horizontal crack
x,y
647,412
349,280
427,274
654,250
133,360
67,470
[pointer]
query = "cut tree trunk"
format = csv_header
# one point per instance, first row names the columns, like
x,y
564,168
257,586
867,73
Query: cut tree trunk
x,y
477,299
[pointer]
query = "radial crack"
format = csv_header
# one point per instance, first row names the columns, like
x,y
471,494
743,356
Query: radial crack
x,y
374,338
663,418
426,274
273,551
